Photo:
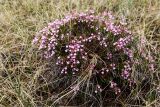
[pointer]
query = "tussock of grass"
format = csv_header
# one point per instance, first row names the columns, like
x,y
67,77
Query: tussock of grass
x,y
26,79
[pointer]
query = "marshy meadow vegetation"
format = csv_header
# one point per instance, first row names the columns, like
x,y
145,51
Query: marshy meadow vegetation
x,y
80,53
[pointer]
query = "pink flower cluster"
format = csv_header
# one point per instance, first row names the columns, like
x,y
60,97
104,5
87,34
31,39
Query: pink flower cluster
x,y
73,49
122,42
126,71
114,87
75,39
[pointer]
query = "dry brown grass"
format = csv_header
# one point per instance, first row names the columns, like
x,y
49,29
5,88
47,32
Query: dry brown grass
x,y
21,64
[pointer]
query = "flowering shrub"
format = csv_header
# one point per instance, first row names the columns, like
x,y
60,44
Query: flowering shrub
x,y
82,40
